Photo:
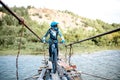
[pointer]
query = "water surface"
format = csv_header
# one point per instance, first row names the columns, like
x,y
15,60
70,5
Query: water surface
x,y
104,64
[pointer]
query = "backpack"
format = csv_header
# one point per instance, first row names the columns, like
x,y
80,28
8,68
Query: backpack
x,y
53,34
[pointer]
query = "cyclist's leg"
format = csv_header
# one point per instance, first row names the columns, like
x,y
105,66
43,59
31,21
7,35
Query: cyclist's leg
x,y
56,55
50,51
56,46
55,60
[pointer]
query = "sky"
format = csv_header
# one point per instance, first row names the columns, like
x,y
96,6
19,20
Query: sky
x,y
105,10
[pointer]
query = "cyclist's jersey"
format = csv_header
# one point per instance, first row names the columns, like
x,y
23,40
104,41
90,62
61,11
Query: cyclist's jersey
x,y
53,34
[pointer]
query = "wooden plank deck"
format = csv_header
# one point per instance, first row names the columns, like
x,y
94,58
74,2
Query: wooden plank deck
x,y
55,76
42,74
64,72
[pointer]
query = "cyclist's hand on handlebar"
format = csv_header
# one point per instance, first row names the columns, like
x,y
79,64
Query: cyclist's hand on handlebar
x,y
43,40
63,41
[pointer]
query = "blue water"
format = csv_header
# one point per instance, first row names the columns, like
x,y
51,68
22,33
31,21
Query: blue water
x,y
28,66
104,64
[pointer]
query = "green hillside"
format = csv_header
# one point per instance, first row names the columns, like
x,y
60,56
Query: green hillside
x,y
74,28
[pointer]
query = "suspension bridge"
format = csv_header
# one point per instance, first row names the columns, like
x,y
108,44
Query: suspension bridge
x,y
65,70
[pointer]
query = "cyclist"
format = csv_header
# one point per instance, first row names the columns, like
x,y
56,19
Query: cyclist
x,y
53,31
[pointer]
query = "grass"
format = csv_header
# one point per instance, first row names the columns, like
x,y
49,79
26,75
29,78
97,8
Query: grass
x,y
93,48
29,49
37,49
22,52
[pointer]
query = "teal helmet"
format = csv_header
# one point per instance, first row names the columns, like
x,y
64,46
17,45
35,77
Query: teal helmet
x,y
54,24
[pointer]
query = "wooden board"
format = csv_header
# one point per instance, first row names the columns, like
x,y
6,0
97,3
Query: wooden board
x,y
55,76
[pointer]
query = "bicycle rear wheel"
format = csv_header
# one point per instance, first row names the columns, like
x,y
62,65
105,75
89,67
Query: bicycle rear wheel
x,y
54,59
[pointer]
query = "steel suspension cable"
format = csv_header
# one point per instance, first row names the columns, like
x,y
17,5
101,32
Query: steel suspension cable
x,y
19,19
95,76
109,32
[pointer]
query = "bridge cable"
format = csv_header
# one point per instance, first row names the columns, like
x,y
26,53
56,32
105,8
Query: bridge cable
x,y
17,57
21,21
102,34
70,54
95,76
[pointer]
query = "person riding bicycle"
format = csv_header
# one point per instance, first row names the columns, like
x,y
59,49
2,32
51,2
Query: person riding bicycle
x,y
53,31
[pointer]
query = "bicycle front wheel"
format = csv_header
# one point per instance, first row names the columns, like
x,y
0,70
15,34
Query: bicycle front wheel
x,y
54,62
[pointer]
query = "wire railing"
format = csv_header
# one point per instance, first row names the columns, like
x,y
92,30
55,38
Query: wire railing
x,y
99,35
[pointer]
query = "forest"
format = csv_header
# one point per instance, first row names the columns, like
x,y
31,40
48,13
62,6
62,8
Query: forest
x,y
11,31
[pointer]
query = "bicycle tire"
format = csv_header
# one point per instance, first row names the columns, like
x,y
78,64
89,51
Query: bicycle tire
x,y
54,58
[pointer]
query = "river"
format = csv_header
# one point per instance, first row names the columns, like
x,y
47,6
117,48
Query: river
x,y
105,64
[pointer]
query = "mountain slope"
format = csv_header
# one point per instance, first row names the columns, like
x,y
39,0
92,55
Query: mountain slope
x,y
67,20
